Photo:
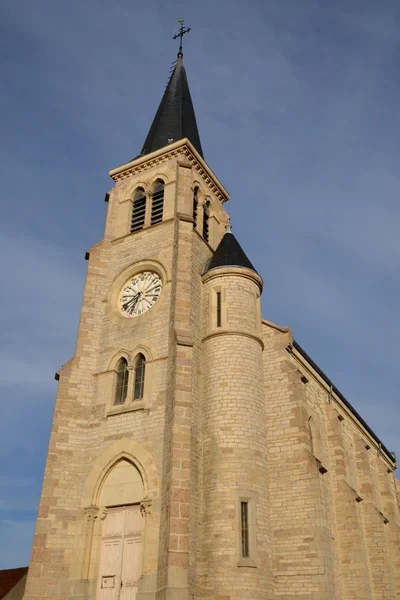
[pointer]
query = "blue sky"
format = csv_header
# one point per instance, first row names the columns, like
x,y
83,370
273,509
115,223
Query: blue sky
x,y
297,106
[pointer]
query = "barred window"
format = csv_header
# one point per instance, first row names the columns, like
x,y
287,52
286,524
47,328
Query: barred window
x,y
138,210
138,387
195,206
121,389
206,217
157,204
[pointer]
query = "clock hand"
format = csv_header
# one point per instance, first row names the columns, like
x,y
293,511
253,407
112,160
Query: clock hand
x,y
130,298
151,288
134,305
131,303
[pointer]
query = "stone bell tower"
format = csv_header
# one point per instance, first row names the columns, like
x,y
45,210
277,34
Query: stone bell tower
x,y
122,491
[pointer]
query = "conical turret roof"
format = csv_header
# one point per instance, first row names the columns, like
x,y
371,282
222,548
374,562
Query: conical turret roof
x,y
175,118
229,253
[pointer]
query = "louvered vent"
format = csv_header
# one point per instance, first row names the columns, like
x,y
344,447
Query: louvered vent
x,y
195,206
138,210
206,216
157,204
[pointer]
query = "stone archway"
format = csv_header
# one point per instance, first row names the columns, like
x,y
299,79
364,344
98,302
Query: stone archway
x,y
121,503
131,451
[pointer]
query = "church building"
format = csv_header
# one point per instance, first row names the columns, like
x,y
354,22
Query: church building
x,y
197,452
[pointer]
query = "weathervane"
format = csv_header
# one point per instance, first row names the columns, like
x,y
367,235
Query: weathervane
x,y
180,34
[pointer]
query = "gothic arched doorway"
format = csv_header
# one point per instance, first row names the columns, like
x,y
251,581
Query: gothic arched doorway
x,y
121,540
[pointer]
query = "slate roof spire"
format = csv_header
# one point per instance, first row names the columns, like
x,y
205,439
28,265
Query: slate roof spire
x,y
229,253
175,118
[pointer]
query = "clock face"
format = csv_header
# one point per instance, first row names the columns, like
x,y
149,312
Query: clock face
x,y
140,293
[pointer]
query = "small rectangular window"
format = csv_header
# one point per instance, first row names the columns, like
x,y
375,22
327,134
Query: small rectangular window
x,y
218,309
244,525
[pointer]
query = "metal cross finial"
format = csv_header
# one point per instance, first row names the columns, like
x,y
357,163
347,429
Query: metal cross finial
x,y
180,35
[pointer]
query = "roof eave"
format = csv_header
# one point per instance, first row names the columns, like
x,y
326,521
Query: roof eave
x,y
357,417
141,161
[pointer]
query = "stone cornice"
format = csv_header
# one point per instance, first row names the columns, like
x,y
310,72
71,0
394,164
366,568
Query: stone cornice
x,y
181,148
236,333
235,271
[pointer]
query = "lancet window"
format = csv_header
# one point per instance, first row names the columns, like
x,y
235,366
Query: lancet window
x,y
138,388
157,204
138,210
121,389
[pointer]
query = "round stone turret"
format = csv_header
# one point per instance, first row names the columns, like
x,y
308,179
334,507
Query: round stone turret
x,y
236,552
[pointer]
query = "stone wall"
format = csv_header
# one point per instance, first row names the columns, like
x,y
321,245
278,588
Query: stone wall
x,y
334,510
158,433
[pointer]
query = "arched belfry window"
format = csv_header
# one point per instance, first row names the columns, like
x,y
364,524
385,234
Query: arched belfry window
x,y
206,217
195,205
121,388
157,204
138,386
138,210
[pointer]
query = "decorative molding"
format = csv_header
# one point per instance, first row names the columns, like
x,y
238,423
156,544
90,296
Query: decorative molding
x,y
183,162
124,407
126,449
233,270
184,339
158,160
247,562
145,507
184,217
91,513
229,332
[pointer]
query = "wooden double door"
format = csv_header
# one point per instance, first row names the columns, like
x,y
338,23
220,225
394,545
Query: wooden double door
x,y
120,562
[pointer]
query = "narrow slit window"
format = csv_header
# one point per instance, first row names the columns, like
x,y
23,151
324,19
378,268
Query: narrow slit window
x,y
157,204
244,526
138,210
195,206
218,309
206,217
121,389
138,387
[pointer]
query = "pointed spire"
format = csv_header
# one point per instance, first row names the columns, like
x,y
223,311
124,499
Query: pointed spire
x,y
175,118
229,253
